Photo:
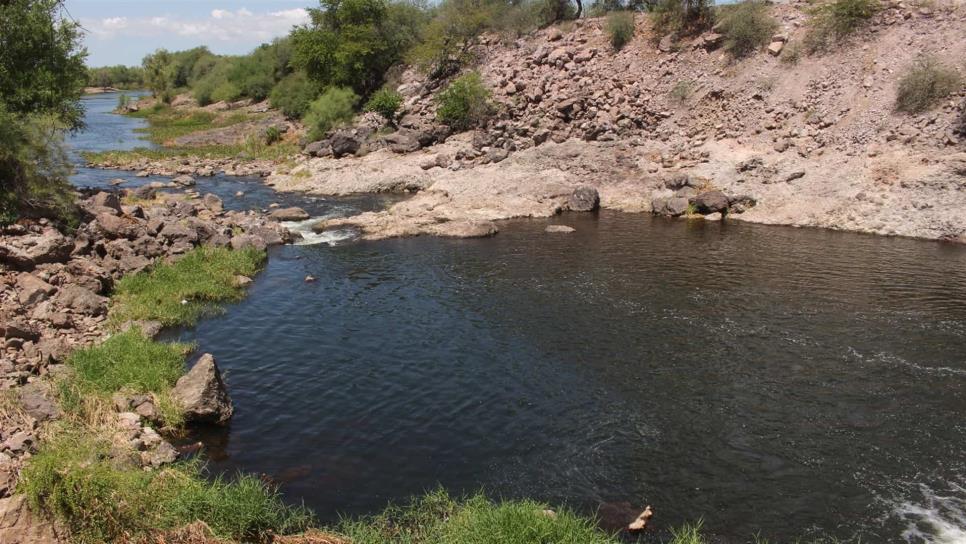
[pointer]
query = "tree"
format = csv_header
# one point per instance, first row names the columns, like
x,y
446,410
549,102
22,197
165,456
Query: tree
x,y
41,79
156,71
41,61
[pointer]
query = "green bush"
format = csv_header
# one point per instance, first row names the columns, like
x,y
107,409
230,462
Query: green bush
x,y
74,478
680,17
385,102
226,91
681,90
272,135
182,292
620,28
437,518
465,103
925,85
835,20
293,95
746,26
335,107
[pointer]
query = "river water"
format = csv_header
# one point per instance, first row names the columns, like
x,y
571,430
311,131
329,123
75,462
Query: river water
x,y
795,383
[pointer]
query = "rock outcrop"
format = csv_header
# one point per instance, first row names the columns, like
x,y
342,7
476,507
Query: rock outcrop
x,y
202,393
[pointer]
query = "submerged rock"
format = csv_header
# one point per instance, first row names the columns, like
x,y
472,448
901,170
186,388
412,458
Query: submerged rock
x,y
289,214
562,229
466,229
202,394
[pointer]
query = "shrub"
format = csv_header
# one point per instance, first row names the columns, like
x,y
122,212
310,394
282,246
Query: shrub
x,y
465,103
272,135
835,20
123,101
334,107
293,95
226,91
75,478
681,90
682,16
386,103
926,84
181,292
746,26
620,28
791,54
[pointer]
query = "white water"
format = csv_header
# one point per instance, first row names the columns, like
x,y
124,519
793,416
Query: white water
x,y
939,519
311,238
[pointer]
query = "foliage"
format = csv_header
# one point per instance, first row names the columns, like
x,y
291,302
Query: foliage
x,y
438,518
119,77
746,26
385,102
681,90
351,43
248,150
620,28
679,17
925,84
602,7
181,292
41,61
293,95
451,35
74,478
792,53
272,135
34,169
689,533
465,103
835,20
334,107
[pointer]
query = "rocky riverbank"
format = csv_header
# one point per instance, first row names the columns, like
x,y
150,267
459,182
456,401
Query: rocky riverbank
x,y
54,291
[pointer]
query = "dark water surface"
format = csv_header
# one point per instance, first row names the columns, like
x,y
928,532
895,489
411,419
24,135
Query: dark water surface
x,y
795,382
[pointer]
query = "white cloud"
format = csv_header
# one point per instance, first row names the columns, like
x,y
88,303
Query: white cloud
x,y
241,26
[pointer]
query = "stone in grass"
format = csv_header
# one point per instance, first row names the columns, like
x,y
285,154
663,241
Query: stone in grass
x,y
202,394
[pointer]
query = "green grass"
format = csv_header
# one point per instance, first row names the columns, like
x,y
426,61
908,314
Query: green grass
x,y
438,518
166,123
250,150
75,479
186,290
126,362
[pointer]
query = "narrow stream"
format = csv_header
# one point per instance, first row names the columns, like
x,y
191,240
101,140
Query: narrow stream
x,y
796,383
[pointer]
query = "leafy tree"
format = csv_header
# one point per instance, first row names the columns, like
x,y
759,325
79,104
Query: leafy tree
x,y
293,95
348,43
41,79
334,107
465,103
156,70
41,61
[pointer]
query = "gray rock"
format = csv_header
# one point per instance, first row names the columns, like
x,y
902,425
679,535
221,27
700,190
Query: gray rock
x,y
81,300
19,328
318,149
163,454
107,200
213,203
467,229
202,394
29,250
184,181
33,289
710,202
584,199
560,229
741,203
289,214
246,241
344,143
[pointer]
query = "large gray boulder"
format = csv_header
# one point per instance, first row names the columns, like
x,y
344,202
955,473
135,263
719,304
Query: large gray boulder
x,y
710,202
344,143
202,394
289,214
81,300
584,199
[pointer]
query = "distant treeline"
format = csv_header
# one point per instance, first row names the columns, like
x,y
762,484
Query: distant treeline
x,y
119,77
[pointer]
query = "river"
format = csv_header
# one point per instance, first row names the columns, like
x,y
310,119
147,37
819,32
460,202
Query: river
x,y
795,383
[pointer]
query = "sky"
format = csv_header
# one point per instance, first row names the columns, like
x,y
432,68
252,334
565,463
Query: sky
x,y
124,31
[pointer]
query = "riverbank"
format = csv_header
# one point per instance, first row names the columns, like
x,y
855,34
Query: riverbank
x,y
787,136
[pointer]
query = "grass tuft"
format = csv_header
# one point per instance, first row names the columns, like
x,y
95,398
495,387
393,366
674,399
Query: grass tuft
x,y
747,27
835,20
438,518
620,28
77,477
182,292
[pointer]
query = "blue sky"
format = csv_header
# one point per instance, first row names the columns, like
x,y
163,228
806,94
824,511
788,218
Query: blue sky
x,y
124,31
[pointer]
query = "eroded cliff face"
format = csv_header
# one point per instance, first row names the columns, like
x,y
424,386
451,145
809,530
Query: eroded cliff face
x,y
810,142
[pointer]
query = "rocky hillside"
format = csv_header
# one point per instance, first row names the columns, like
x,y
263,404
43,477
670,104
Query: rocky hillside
x,y
780,137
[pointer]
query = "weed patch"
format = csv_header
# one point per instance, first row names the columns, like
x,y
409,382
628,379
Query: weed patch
x,y
746,26
925,85
182,292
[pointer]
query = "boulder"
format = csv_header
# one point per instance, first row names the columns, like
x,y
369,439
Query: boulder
x,y
116,227
33,289
710,202
318,149
289,214
671,207
466,229
184,181
584,199
403,141
344,143
19,328
741,203
81,300
775,48
107,200
27,251
18,525
213,203
202,394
